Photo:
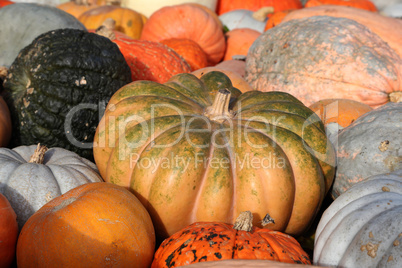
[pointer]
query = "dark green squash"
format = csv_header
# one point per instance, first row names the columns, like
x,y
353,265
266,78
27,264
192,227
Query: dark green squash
x,y
57,86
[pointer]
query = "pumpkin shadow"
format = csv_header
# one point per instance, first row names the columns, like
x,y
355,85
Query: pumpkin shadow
x,y
15,198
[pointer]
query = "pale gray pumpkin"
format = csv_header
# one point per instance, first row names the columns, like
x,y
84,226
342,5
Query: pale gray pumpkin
x,y
363,226
369,146
21,23
30,185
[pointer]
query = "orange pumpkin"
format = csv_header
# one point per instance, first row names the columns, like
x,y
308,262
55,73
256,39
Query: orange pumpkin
x,y
189,50
238,41
254,5
77,7
187,21
127,20
363,4
147,60
8,232
95,225
340,111
213,241
5,3
389,29
5,123
276,18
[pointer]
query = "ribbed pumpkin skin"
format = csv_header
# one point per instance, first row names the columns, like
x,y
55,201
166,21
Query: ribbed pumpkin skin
x,y
57,85
8,232
29,186
5,123
212,241
362,227
316,57
389,29
93,225
369,146
363,4
207,170
187,21
253,5
150,60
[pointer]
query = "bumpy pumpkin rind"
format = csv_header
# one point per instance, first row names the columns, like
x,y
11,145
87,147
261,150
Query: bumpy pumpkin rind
x,y
57,86
319,57
185,167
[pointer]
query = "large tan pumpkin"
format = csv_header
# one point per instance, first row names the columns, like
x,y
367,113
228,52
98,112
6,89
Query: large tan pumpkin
x,y
199,150
318,57
389,29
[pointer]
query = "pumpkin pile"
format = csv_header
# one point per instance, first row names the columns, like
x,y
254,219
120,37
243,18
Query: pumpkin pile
x,y
219,133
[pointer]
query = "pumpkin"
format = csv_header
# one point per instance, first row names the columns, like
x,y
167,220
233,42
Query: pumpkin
x,y
212,241
77,7
254,5
362,227
4,3
128,21
389,29
187,148
244,18
340,111
316,57
23,22
238,41
363,4
383,4
276,18
5,123
31,176
186,21
191,52
369,146
394,11
149,7
96,225
236,79
55,97
8,232
236,64
247,263
147,60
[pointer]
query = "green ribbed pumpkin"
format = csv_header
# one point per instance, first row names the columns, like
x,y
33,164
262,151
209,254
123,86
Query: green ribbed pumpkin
x,y
198,150
57,85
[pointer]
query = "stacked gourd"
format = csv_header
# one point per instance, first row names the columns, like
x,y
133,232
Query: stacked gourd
x,y
126,140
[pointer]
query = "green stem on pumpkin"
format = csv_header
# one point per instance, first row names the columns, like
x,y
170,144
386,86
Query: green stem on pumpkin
x,y
219,111
395,96
39,154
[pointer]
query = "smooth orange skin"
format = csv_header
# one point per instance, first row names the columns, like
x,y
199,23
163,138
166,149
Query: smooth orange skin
x,y
341,111
191,52
214,241
363,4
127,20
4,3
5,123
389,29
104,225
276,18
238,41
253,5
187,21
237,81
8,232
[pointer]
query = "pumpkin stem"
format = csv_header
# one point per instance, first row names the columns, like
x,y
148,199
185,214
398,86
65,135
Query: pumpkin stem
x,y
3,72
219,111
39,154
244,222
107,29
395,96
261,14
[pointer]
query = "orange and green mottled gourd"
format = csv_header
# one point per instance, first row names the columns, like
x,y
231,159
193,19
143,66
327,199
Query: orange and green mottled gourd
x,y
363,4
187,21
199,150
93,225
8,233
213,241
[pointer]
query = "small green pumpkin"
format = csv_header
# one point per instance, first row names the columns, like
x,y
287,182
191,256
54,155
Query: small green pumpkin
x,y
57,86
